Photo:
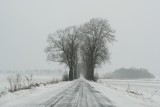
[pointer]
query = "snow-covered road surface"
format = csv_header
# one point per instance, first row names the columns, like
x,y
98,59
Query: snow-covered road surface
x,y
78,93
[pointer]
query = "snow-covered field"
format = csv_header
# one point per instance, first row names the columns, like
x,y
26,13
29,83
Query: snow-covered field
x,y
135,93
33,96
4,84
122,93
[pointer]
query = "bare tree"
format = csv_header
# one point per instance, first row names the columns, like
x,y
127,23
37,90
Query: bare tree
x,y
10,80
29,79
63,48
15,82
97,35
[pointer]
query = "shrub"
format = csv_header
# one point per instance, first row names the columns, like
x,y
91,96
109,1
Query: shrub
x,y
65,76
15,82
96,77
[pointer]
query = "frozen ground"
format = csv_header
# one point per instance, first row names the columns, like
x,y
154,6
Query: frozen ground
x,y
138,93
78,93
32,97
148,88
38,78
83,93
3,82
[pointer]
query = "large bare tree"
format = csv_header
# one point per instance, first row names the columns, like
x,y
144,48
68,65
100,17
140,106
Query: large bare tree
x,y
97,35
63,47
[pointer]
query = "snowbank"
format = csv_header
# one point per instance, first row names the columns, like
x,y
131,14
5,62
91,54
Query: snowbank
x,y
124,97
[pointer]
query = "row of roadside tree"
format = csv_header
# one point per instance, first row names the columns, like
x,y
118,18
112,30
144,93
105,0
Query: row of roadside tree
x,y
87,44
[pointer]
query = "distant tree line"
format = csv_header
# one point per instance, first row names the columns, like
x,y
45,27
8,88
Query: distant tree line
x,y
35,72
86,44
130,73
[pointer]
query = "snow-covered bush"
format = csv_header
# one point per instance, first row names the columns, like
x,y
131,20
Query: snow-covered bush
x,y
22,82
96,77
15,82
65,76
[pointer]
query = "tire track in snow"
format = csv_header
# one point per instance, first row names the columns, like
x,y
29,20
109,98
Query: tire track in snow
x,y
79,94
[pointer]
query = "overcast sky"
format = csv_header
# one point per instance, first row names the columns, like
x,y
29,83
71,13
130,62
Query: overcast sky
x,y
25,25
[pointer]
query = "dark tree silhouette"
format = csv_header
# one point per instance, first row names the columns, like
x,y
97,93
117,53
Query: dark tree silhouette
x,y
131,73
63,47
97,35
92,37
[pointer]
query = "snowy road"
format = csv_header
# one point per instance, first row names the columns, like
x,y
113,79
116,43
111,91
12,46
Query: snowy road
x,y
79,94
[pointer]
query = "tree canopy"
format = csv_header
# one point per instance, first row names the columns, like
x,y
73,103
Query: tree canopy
x,y
87,43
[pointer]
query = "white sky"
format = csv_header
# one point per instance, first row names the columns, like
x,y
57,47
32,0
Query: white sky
x,y
25,25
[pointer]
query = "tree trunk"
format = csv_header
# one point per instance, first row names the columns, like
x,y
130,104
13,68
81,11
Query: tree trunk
x,y
71,73
88,72
92,73
75,74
